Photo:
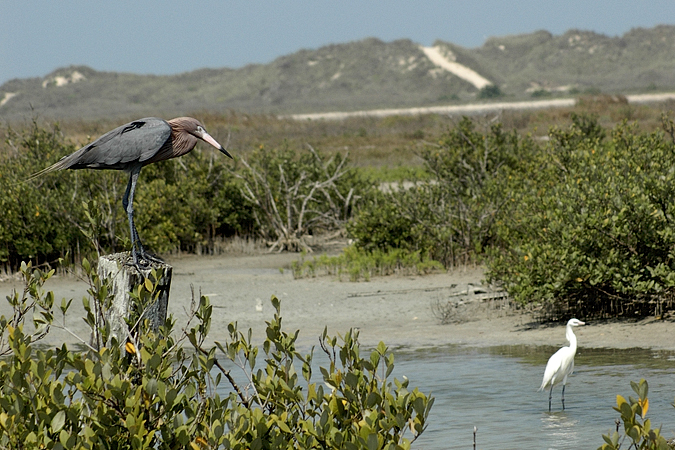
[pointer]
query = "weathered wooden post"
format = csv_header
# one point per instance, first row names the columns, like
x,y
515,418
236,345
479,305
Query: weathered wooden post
x,y
119,268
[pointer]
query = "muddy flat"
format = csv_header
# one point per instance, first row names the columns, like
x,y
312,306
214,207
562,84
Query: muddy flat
x,y
398,310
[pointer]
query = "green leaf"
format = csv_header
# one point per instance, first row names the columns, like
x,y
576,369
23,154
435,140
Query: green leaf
x,y
372,442
283,426
58,421
151,387
276,304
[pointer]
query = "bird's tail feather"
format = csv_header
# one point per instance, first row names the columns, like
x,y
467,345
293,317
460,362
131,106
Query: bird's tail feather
x,y
44,171
63,163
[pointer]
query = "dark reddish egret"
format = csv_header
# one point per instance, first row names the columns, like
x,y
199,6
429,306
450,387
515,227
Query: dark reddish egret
x,y
129,148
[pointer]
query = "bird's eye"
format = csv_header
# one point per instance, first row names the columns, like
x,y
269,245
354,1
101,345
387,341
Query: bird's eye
x,y
200,129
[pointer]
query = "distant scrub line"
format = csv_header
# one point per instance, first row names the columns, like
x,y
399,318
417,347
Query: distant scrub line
x,y
580,223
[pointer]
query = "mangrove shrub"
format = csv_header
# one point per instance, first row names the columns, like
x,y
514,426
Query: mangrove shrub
x,y
592,228
450,214
168,389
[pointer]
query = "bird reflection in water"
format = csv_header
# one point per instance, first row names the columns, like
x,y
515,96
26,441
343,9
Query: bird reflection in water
x,y
562,430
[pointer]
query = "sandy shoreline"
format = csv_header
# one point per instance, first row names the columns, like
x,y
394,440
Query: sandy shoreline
x,y
471,108
395,309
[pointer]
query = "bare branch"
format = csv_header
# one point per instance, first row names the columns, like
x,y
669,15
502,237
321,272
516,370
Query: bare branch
x,y
293,197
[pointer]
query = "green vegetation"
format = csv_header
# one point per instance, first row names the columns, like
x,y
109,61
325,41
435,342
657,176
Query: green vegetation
x,y
580,225
541,93
635,423
490,91
167,390
359,264
576,220
449,216
590,231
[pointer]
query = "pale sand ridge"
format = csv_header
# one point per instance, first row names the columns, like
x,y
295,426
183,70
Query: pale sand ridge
x,y
435,56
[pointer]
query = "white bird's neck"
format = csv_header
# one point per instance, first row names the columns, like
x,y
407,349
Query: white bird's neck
x,y
569,334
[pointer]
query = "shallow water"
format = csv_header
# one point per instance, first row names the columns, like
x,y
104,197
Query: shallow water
x,y
495,389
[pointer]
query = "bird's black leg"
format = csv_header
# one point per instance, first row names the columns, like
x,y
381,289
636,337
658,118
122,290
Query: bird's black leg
x,y
128,203
136,245
550,394
563,397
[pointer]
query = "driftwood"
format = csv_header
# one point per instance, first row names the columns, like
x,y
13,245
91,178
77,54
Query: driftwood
x,y
124,277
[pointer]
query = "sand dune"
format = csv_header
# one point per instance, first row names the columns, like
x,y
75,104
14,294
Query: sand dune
x,y
435,56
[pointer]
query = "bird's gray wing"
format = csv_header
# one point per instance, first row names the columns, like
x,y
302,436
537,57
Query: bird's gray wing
x,y
134,142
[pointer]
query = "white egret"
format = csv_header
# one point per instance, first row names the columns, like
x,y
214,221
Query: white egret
x,y
561,364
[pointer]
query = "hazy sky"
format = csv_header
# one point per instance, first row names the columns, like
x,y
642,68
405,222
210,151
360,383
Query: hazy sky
x,y
171,36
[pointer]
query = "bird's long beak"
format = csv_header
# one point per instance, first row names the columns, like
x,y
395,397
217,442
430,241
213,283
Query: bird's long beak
x,y
208,138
